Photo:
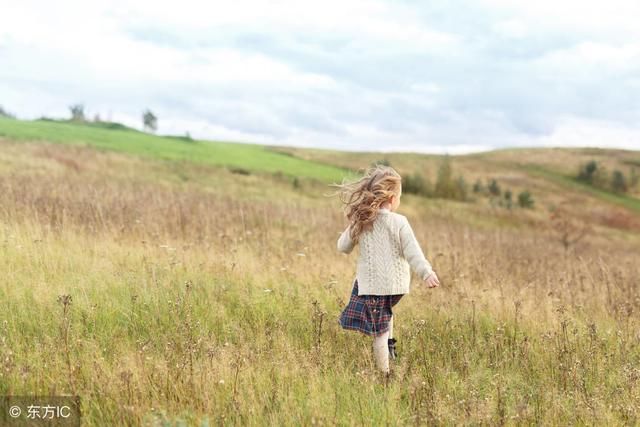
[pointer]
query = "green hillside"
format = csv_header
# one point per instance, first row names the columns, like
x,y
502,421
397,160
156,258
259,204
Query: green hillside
x,y
248,156
549,170
545,171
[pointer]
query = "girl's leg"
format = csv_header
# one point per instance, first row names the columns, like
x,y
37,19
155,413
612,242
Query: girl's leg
x,y
392,342
381,351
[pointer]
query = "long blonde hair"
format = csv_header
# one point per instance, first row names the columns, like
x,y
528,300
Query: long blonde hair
x,y
362,198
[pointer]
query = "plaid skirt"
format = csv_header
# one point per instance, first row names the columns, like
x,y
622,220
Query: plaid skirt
x,y
369,314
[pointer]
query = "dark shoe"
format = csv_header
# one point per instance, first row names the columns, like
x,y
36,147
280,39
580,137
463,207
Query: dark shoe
x,y
392,348
389,377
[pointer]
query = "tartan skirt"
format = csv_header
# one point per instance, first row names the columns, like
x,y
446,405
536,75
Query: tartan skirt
x,y
369,314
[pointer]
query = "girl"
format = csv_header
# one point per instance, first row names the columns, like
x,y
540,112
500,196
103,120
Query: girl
x,y
388,250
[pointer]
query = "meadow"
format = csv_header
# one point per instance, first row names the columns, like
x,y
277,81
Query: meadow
x,y
178,148
166,289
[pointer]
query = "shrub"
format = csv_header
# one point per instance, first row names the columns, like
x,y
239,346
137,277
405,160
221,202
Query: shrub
x,y
594,174
478,187
448,188
525,200
587,171
239,171
445,187
494,188
416,184
384,162
77,112
150,121
508,199
619,182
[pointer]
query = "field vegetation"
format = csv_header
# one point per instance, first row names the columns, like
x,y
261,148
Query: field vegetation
x,y
165,286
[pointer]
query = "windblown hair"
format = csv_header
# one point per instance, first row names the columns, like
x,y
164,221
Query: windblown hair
x,y
362,198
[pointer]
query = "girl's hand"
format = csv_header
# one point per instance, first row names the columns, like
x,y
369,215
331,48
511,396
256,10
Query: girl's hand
x,y
432,281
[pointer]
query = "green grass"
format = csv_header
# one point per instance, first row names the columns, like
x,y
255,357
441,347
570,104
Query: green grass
x,y
252,157
195,307
571,182
198,342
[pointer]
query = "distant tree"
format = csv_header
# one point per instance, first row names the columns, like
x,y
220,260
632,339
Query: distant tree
x,y
150,121
619,182
478,187
508,199
5,113
416,184
494,188
594,174
295,182
96,118
384,162
462,189
587,171
525,200
445,187
77,112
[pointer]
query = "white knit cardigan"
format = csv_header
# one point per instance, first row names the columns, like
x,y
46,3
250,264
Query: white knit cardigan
x,y
387,253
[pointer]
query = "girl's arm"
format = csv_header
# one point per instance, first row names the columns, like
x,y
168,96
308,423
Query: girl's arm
x,y
412,251
345,244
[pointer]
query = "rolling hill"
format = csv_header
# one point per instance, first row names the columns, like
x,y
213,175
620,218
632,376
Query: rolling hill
x,y
548,173
196,282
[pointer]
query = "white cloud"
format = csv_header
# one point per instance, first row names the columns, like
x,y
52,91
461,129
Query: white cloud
x,y
578,132
511,28
367,21
589,53
352,74
591,16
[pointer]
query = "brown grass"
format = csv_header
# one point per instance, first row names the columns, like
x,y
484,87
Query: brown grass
x,y
188,298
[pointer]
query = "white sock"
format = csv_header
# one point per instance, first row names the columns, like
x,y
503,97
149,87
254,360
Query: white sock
x,y
381,351
391,327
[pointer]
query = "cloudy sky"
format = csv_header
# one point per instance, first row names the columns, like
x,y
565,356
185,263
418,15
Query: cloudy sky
x,y
437,76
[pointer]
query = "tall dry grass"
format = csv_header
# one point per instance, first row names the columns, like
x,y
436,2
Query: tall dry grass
x,y
166,301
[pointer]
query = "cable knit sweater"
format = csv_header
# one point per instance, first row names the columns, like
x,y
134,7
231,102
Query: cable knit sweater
x,y
387,253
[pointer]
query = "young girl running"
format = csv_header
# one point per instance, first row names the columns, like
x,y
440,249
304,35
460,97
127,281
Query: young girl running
x,y
388,250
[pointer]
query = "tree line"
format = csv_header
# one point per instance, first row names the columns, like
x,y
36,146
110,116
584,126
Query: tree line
x,y
149,120
5,113
449,186
596,175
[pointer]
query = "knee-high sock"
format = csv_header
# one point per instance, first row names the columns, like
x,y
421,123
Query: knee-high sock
x,y
391,327
381,351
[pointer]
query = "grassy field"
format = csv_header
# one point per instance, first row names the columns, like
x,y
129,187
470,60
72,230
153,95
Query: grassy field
x,y
248,156
180,293
572,183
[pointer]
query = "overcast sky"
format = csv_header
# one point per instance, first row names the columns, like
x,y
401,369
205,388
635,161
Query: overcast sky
x,y
437,76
